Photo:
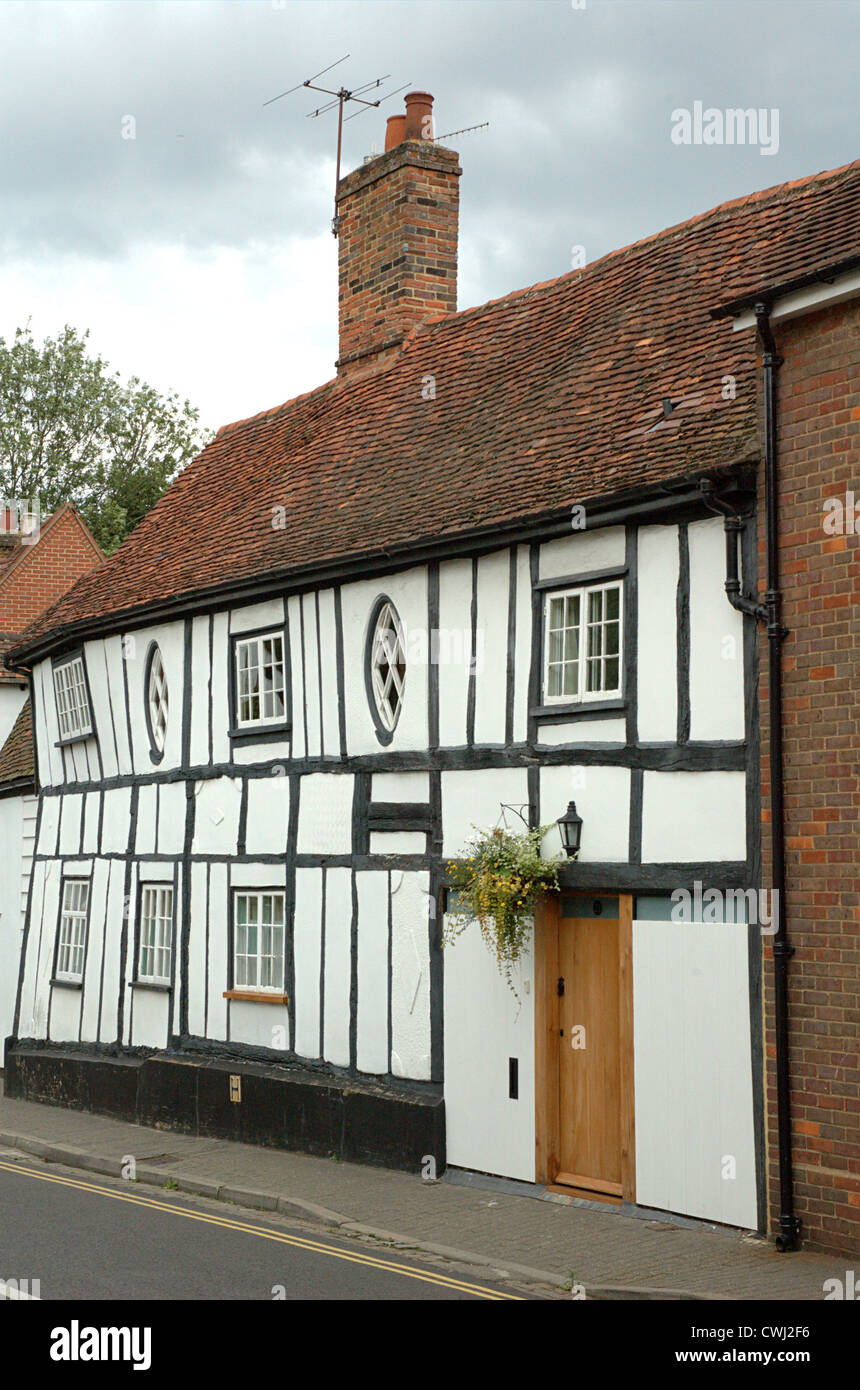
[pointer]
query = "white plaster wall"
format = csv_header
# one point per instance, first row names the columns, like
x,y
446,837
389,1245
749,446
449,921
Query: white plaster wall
x,y
100,697
149,1021
95,950
297,662
455,630
91,822
398,842
51,769
113,967
491,648
46,761
410,976
12,699
328,656
116,819
312,716
338,936
268,613
65,1017
201,678
216,820
486,1025
522,650
268,815
693,1080
657,652
171,818
221,712
400,786
372,1032
70,823
693,816
325,813
408,593
471,799
583,731
120,748
602,796
11,919
49,825
716,639
582,551
259,1025
219,906
307,961
144,837
198,968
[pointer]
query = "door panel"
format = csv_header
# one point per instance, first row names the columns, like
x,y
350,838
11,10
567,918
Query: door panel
x,y
590,1102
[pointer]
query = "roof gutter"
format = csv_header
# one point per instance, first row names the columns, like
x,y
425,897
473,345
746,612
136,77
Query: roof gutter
x,y
768,613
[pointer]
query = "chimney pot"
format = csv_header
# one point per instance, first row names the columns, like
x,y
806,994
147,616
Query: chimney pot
x,y
419,116
395,131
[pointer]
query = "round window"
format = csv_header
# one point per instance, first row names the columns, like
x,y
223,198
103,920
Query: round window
x,y
156,699
387,663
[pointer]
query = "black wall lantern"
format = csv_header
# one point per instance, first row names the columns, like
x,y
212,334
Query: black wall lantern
x,y
570,826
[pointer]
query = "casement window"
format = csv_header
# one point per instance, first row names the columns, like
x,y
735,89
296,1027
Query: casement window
x,y
157,703
260,680
386,667
155,951
583,643
73,704
258,941
72,937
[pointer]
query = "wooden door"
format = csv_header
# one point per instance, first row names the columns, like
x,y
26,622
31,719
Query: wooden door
x,y
589,1074
584,1110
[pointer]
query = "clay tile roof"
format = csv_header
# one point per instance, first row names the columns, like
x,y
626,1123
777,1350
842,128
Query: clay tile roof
x,y
550,396
16,755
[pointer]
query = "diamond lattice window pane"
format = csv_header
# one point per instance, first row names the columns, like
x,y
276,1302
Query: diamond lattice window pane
x,y
158,701
388,665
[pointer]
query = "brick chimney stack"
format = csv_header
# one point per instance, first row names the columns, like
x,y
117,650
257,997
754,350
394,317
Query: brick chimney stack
x,y
397,230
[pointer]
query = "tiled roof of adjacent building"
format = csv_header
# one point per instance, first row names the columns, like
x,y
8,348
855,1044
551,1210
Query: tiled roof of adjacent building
x,y
16,755
518,408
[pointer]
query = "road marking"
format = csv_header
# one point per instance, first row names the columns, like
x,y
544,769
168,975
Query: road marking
x,y
231,1224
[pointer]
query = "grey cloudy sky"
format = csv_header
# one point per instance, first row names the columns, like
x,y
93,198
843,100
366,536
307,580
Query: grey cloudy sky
x,y
199,253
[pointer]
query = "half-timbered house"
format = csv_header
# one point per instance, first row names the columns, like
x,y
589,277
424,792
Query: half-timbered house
x,y
482,568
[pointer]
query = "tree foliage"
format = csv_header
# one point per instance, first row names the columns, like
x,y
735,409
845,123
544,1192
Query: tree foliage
x,y
72,431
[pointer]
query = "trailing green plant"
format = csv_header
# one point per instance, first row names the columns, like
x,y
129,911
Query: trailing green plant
x,y
497,882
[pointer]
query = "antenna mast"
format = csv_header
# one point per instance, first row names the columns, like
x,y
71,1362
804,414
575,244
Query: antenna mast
x,y
340,98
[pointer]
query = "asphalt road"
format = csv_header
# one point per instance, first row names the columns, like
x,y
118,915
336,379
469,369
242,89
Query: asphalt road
x,y
88,1237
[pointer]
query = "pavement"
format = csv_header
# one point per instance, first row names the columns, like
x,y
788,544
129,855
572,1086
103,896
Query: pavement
x,y
504,1230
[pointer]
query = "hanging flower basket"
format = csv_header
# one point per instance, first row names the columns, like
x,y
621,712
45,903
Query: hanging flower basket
x,y
498,882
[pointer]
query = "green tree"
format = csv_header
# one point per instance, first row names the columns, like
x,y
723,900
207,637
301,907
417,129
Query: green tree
x,y
72,431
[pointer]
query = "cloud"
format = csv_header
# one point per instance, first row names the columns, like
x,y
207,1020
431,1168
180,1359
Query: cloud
x,y
199,251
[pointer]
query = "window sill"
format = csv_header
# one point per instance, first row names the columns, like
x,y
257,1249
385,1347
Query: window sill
x,y
579,709
151,984
266,733
67,984
256,997
74,738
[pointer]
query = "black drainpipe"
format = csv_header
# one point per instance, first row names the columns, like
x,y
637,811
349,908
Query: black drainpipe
x,y
768,612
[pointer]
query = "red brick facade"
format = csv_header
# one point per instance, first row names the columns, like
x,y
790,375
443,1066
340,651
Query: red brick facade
x,y
36,575
819,459
398,224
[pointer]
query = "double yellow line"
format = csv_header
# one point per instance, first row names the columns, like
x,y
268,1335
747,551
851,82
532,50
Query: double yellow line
x,y
232,1224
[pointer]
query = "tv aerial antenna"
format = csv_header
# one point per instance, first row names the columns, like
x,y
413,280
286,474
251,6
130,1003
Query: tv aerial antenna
x,y
340,97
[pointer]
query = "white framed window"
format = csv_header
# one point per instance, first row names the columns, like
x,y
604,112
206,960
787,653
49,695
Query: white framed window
x,y
388,665
260,680
258,941
72,939
73,705
157,700
155,952
583,643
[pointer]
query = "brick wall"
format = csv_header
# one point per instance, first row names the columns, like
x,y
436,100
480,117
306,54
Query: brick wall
x,y
819,458
48,568
397,237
